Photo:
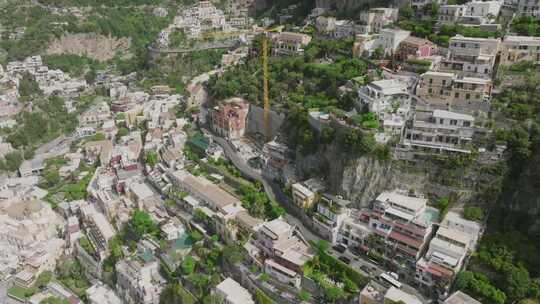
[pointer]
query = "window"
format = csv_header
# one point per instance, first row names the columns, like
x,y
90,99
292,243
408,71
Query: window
x,y
453,122
467,96
466,123
441,121
477,96
430,80
430,91
456,95
444,82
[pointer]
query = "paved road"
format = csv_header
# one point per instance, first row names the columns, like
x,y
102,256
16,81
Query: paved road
x,y
270,188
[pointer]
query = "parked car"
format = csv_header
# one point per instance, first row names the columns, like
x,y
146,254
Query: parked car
x,y
345,260
340,248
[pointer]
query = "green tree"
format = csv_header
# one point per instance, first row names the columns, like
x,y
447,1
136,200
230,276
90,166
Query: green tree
x,y
43,279
473,213
13,160
188,265
175,293
28,86
140,224
304,296
151,158
233,254
122,132
52,177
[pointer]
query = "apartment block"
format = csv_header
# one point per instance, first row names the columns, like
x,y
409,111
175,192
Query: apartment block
x,y
373,20
231,292
483,8
515,49
529,8
100,293
354,231
330,213
228,119
139,281
402,226
440,131
472,57
450,90
449,14
302,196
281,242
203,190
289,43
387,98
282,274
445,257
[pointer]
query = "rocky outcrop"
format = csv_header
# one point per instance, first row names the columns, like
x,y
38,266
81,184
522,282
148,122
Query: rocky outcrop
x,y
95,46
360,178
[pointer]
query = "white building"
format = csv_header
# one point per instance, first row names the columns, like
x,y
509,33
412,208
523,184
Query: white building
x,y
329,216
441,131
390,101
488,9
373,20
28,237
449,14
102,294
529,8
471,57
138,281
447,252
231,292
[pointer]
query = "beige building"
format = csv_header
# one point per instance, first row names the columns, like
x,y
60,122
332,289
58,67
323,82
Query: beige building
x,y
289,42
515,49
302,196
450,90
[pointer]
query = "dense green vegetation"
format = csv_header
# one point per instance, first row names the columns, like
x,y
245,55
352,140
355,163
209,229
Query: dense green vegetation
x,y
49,120
424,28
258,203
526,26
41,27
75,65
311,80
71,275
325,266
506,268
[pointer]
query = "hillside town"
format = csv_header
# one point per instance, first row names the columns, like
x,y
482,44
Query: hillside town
x,y
327,158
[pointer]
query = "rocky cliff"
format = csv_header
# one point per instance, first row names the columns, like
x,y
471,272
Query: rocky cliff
x,y
361,178
95,46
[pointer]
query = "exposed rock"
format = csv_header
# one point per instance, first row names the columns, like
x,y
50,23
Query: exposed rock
x,y
92,45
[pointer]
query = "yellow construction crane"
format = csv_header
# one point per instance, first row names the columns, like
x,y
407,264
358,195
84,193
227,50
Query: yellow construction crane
x,y
266,98
267,130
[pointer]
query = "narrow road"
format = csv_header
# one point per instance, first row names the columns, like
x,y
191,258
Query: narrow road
x,y
271,189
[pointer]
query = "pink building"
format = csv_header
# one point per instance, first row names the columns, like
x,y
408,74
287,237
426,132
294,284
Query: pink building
x,y
229,118
416,48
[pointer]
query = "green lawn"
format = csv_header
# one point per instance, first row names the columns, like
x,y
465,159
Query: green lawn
x,y
20,293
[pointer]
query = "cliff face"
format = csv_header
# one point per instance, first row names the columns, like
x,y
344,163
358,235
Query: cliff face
x,y
360,178
94,46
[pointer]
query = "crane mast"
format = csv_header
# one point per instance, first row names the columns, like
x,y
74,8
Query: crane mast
x,y
267,130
